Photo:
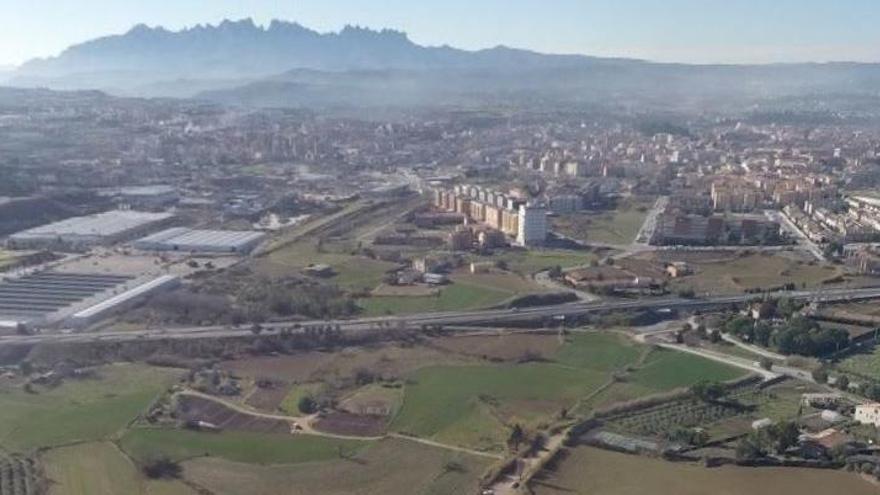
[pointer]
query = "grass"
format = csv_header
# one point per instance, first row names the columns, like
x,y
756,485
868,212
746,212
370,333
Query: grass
x,y
290,404
619,226
535,260
753,271
101,469
373,397
387,467
593,471
470,405
666,370
79,410
457,296
145,443
600,351
352,272
865,364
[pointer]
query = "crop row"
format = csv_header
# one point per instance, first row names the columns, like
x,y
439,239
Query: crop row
x,y
17,475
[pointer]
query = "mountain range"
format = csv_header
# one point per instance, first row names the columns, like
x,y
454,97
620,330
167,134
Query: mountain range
x,y
286,64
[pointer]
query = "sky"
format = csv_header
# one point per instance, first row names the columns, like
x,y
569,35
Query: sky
x,y
689,31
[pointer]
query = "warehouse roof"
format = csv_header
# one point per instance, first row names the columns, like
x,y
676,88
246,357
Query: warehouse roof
x,y
101,224
187,238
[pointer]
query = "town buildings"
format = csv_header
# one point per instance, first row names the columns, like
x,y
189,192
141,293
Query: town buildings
x,y
525,222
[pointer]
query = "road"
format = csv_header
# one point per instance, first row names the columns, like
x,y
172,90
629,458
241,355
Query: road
x,y
802,238
306,428
490,316
650,224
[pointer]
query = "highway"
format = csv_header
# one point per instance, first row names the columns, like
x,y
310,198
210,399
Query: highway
x,y
484,317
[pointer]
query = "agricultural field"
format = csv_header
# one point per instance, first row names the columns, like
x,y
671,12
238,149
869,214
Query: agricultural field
x,y
386,467
389,361
591,471
473,405
503,346
356,273
456,296
470,405
85,409
20,475
290,404
731,271
101,469
529,262
665,370
865,363
143,444
617,227
661,370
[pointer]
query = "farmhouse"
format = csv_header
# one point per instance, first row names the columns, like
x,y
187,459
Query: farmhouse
x,y
868,414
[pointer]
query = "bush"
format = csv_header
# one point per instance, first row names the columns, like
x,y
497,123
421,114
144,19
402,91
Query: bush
x,y
162,468
307,405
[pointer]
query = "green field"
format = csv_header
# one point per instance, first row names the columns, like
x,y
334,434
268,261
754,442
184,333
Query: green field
x,y
456,296
79,410
600,351
591,471
666,370
619,226
290,404
101,469
387,467
465,405
535,260
732,273
474,405
352,272
862,363
146,443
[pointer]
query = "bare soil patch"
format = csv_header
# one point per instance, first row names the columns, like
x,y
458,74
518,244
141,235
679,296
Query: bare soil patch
x,y
359,425
504,347
192,408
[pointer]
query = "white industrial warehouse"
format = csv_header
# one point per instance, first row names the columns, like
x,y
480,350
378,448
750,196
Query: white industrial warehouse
x,y
201,241
81,233
79,299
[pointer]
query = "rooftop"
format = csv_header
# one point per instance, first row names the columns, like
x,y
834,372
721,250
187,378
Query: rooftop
x,y
101,224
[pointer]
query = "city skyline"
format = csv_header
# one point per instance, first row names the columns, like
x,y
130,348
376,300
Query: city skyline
x,y
686,31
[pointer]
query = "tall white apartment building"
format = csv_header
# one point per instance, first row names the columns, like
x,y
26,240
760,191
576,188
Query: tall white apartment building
x,y
532,225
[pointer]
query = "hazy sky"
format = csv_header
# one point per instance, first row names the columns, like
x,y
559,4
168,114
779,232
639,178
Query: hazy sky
x,y
667,30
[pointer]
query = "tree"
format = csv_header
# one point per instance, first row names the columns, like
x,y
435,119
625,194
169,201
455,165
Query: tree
x,y
820,375
517,435
782,436
26,367
708,391
842,382
686,293
307,405
766,363
162,468
750,447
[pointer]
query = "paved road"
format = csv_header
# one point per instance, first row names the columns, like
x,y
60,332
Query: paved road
x,y
646,232
491,316
788,225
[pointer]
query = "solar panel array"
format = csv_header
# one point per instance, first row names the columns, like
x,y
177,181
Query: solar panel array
x,y
41,294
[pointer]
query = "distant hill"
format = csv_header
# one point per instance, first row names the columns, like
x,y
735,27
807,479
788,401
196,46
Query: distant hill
x,y
235,51
286,64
